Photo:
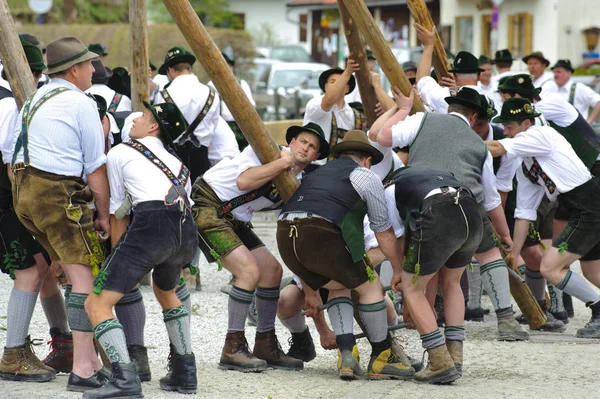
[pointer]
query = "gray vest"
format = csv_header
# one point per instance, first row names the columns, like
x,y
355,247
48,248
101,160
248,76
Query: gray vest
x,y
446,142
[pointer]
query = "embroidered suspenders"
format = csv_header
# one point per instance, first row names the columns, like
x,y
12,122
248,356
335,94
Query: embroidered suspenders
x,y
572,93
114,104
178,183
28,113
189,132
268,190
535,172
338,134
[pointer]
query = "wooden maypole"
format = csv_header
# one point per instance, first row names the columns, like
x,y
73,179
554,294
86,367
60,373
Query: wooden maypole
x,y
140,64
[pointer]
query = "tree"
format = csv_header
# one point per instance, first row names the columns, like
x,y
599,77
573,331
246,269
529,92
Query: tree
x,y
214,13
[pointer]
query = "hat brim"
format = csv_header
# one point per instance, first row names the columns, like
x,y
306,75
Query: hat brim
x,y
564,67
515,118
473,70
454,100
294,131
185,58
163,131
528,57
325,75
63,67
339,148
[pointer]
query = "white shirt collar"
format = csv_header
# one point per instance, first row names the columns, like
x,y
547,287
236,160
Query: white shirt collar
x,y
461,117
567,85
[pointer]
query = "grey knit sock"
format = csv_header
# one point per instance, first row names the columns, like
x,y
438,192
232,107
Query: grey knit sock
x,y
178,327
183,293
111,337
556,299
454,333
494,278
56,312
238,305
266,308
474,278
433,339
19,313
341,315
575,285
374,318
78,318
131,312
296,323
536,283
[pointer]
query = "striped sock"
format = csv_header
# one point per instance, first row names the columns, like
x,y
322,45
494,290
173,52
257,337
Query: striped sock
x,y
575,285
237,307
266,308
131,312
433,339
183,293
494,278
374,317
78,318
455,333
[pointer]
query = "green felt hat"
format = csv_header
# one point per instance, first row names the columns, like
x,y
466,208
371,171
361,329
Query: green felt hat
x,y
325,75
502,56
370,55
120,81
34,56
467,97
516,109
566,64
465,62
409,66
521,84
489,105
357,105
228,60
176,55
98,49
294,131
101,74
172,123
28,37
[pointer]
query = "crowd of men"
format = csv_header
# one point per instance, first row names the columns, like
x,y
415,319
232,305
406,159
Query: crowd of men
x,y
97,196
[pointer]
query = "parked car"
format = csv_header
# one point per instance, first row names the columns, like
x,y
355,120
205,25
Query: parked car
x,y
285,88
292,53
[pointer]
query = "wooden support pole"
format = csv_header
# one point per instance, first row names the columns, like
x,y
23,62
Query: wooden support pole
x,y
388,63
421,14
358,54
212,61
13,58
138,33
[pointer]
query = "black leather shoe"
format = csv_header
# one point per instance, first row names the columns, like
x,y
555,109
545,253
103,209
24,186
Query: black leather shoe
x,y
474,314
78,384
182,377
123,383
103,374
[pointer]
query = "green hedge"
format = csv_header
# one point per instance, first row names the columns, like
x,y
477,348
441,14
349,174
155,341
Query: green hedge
x,y
161,38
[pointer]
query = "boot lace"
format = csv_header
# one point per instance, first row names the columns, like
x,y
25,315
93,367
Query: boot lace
x,y
29,353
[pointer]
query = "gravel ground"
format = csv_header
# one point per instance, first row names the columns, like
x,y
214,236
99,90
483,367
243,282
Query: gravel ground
x,y
548,366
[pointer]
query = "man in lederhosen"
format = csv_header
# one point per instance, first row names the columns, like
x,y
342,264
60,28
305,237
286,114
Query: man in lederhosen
x,y
60,142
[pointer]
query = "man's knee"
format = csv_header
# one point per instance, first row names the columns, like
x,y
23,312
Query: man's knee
x,y
291,299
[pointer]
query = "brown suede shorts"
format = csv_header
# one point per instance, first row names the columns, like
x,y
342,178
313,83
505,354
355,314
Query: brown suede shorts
x,y
55,210
315,251
219,234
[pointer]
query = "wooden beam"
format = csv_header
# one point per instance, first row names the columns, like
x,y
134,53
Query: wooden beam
x,y
386,59
209,55
358,54
138,33
421,14
13,58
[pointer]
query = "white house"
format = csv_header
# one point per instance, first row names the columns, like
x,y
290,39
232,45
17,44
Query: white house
x,y
551,26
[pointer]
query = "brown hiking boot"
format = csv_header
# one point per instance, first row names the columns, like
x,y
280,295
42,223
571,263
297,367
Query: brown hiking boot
x,y
60,357
20,364
456,353
440,368
237,356
266,347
